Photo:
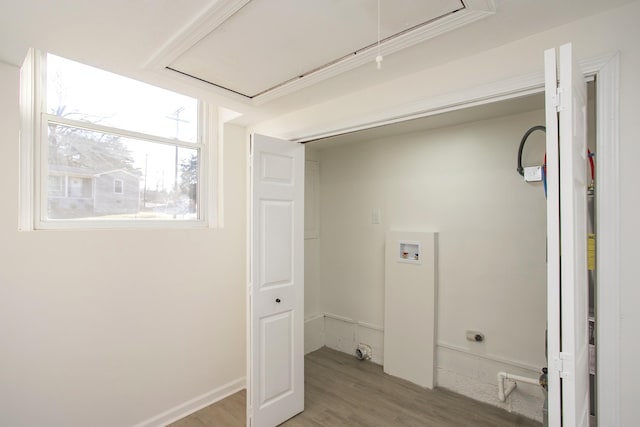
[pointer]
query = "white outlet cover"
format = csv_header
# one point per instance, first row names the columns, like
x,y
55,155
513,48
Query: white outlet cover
x,y
533,173
375,216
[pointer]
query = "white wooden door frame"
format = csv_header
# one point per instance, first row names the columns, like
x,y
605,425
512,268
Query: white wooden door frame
x,y
554,395
574,184
605,69
608,241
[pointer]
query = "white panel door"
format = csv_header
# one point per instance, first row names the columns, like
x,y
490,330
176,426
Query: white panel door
x,y
567,282
276,284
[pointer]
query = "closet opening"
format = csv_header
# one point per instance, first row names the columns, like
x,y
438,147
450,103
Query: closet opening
x,y
453,176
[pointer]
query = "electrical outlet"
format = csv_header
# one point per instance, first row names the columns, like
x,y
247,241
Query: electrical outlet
x,y
475,336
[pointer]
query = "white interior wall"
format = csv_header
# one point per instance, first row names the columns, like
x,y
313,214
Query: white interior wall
x,y
461,182
314,316
614,30
311,246
113,328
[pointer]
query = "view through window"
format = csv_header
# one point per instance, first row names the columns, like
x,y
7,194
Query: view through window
x,y
117,149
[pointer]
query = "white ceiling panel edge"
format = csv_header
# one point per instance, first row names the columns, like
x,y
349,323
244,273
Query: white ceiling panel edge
x,y
475,10
222,10
210,19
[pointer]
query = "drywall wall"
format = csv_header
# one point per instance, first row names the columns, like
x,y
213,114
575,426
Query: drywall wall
x,y
614,30
461,182
121,327
312,234
314,317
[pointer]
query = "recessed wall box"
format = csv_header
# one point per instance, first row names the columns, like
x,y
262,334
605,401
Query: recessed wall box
x,y
409,252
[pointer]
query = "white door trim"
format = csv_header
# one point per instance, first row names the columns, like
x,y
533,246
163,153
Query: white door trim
x,y
605,69
514,87
608,241
554,406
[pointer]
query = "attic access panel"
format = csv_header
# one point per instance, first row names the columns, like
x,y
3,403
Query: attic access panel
x,y
267,44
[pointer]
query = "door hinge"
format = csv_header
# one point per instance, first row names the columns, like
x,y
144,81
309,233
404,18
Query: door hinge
x,y
557,99
564,364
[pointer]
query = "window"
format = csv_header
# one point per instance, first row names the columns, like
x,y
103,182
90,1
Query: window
x,y
117,186
111,151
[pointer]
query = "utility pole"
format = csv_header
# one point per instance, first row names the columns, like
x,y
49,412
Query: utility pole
x,y
176,117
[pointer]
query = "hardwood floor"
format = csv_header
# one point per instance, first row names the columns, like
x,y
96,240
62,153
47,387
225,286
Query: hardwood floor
x,y
343,391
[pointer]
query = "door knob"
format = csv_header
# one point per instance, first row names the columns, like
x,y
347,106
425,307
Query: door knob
x,y
277,300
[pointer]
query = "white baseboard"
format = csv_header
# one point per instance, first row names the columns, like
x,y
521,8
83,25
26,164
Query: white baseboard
x,y
187,408
475,376
344,334
313,333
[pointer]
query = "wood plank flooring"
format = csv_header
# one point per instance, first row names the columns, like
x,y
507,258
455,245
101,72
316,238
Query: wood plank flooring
x,y
343,391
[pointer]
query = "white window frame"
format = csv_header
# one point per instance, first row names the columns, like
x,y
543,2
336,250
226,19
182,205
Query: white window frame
x,y
34,167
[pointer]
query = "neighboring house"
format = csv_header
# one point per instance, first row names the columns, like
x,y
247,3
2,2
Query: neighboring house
x,y
81,192
116,192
